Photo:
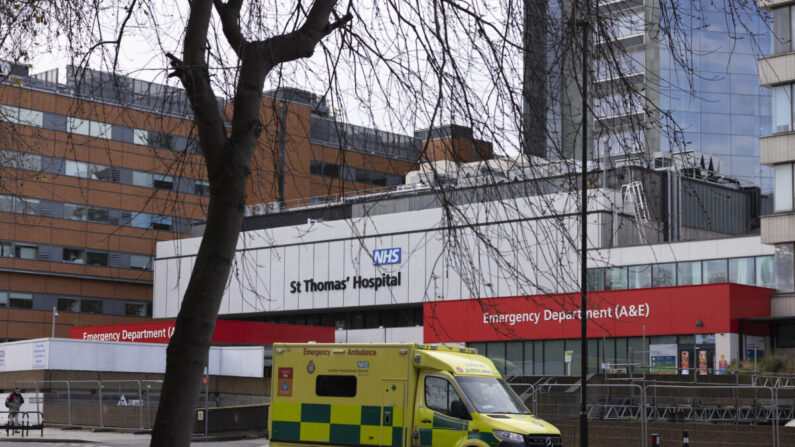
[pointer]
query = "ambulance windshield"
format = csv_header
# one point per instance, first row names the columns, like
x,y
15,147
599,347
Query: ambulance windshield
x,y
491,395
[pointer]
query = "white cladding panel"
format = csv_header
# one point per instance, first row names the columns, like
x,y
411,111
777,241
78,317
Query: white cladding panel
x,y
505,257
87,355
331,265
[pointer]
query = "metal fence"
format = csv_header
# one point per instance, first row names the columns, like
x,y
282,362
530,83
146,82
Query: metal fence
x,y
648,403
97,403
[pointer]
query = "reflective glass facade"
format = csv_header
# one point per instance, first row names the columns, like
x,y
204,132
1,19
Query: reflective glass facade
x,y
716,108
727,111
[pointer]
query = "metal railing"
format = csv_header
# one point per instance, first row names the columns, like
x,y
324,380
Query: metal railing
x,y
12,427
648,402
96,403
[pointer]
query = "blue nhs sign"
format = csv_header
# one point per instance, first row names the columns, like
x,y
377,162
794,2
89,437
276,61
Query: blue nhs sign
x,y
385,256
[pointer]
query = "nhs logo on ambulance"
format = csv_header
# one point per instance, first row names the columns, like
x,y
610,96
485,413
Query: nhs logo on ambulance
x,y
384,256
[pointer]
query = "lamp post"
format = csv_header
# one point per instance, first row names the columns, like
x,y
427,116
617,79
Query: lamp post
x,y
586,41
54,316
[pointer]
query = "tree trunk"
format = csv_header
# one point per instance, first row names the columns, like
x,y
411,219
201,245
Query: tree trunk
x,y
189,346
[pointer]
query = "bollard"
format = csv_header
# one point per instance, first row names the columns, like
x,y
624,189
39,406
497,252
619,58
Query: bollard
x,y
655,440
685,439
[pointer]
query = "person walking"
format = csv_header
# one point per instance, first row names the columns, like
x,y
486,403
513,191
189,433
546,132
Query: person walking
x,y
13,402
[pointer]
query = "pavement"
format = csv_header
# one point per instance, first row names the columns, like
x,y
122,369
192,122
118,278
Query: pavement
x,y
57,436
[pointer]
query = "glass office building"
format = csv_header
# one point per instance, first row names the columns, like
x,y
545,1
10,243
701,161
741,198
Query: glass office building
x,y
716,108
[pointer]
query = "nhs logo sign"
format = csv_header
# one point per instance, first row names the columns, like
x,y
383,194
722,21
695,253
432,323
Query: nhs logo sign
x,y
385,256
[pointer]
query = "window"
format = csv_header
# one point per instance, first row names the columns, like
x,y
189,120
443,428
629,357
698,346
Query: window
x,y
20,300
141,220
6,250
135,309
596,279
782,197
76,169
782,108
161,140
378,178
18,160
74,212
6,204
68,304
31,117
142,179
74,256
140,262
3,299
639,277
781,35
101,172
688,273
715,271
741,271
628,25
98,215
26,251
663,275
24,205
201,188
161,222
331,170
765,268
335,386
316,167
78,126
100,130
91,306
362,176
785,268
141,137
163,181
9,113
97,258
439,395
615,278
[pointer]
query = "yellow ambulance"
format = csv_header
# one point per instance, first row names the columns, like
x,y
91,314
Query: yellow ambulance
x,y
396,395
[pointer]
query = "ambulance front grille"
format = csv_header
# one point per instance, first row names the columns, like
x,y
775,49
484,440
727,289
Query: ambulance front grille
x,y
542,441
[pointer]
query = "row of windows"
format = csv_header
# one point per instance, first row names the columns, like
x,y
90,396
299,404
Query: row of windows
x,y
353,174
758,271
96,129
25,250
546,357
85,213
19,300
100,172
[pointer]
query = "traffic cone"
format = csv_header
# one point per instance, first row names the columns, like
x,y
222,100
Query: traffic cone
x,y
685,439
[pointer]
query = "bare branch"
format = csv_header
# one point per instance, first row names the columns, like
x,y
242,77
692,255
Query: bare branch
x,y
230,20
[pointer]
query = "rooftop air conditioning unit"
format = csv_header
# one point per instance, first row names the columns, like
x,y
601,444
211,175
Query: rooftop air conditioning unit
x,y
247,211
260,209
274,207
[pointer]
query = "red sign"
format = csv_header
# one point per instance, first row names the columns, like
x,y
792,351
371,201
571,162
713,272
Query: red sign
x,y
226,331
704,309
205,380
285,382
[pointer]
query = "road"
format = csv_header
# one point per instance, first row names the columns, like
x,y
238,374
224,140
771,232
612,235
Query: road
x,y
142,442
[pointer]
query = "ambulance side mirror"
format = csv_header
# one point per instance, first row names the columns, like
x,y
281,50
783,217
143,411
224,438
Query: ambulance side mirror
x,y
458,410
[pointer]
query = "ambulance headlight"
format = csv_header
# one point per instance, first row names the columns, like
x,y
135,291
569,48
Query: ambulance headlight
x,y
507,435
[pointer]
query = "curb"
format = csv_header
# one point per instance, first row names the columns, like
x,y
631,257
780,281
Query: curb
x,y
195,438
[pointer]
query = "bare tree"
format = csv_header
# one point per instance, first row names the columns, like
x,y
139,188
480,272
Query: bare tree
x,y
404,65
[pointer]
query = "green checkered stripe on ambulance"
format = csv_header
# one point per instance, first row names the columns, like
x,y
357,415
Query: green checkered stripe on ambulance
x,y
337,424
448,431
